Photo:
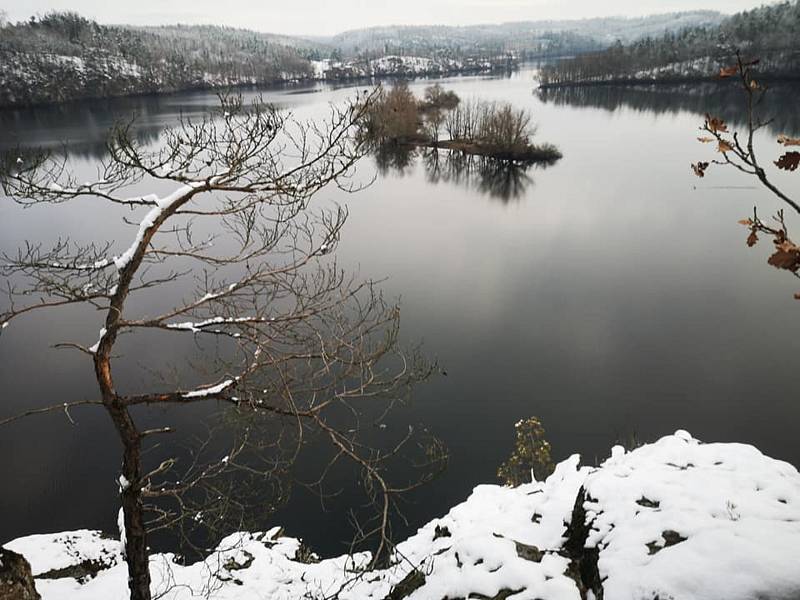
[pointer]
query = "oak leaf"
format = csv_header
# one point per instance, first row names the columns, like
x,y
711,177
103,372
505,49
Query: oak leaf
x,y
789,161
705,139
728,71
747,222
752,239
784,260
786,257
700,168
716,124
724,147
787,141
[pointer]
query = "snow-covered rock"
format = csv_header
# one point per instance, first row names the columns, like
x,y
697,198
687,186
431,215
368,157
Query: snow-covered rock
x,y
673,519
681,519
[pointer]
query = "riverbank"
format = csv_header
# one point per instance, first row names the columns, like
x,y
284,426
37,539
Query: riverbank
x,y
546,153
50,80
673,519
684,80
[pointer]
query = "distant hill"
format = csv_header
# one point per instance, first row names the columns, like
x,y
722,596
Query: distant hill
x,y
769,33
528,37
197,35
64,56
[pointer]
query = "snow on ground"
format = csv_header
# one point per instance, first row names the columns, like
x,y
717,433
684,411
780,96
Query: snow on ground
x,y
52,552
738,511
406,64
674,519
321,67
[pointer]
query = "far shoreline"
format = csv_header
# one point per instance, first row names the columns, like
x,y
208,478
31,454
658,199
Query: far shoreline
x,y
634,82
307,83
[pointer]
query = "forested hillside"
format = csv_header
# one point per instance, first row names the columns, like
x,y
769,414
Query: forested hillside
x,y
769,33
63,56
527,39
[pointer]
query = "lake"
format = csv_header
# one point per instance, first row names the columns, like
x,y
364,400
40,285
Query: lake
x,y
612,295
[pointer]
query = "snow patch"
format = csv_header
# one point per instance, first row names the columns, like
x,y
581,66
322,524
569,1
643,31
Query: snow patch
x,y
210,391
96,345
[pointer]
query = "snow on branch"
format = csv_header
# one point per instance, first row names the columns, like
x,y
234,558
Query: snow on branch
x,y
210,391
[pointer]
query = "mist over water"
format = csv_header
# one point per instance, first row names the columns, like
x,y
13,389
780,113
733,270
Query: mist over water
x,y
612,295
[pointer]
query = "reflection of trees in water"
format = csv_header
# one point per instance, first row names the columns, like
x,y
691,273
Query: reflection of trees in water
x,y
720,99
499,179
90,121
394,158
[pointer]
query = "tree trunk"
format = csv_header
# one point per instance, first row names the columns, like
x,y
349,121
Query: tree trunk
x,y
136,553
131,486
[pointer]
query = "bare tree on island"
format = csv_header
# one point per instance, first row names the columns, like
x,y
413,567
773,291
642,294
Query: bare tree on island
x,y
295,344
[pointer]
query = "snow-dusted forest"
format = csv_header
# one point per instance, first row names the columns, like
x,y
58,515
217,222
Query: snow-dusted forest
x,y
64,56
767,34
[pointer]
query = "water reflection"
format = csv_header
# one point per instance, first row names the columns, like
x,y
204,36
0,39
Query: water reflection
x,y
498,179
724,100
88,124
621,300
394,158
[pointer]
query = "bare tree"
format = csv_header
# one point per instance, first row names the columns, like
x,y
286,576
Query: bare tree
x,y
297,345
505,127
394,116
436,103
462,123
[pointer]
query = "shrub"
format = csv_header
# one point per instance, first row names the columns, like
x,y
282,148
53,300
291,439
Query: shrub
x,y
531,456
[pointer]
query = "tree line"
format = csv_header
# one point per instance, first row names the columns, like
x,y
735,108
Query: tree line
x,y
62,56
694,53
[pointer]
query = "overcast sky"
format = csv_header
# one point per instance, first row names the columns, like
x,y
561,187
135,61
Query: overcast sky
x,y
325,17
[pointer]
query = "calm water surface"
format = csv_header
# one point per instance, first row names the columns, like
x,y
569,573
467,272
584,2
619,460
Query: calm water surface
x,y
611,295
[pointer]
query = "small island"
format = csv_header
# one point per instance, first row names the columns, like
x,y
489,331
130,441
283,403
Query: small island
x,y
495,130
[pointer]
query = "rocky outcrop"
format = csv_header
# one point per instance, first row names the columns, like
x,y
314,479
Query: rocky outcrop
x,y
16,579
583,560
673,519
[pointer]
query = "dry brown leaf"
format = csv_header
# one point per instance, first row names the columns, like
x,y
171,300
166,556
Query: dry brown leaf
x,y
700,168
716,124
789,261
789,161
787,141
747,222
728,71
752,239
724,147
705,139
797,296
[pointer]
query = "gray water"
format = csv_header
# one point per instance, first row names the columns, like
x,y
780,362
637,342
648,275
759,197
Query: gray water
x,y
612,295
